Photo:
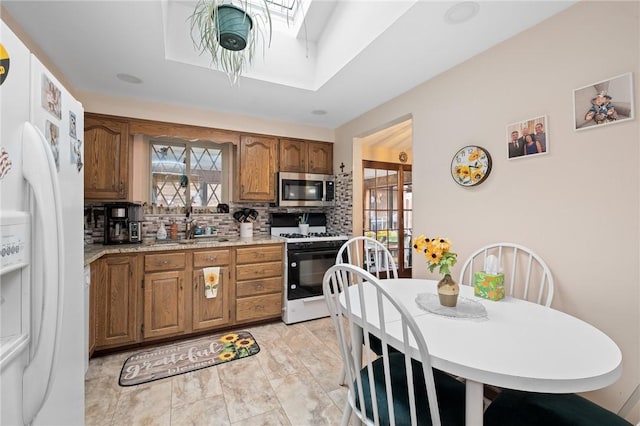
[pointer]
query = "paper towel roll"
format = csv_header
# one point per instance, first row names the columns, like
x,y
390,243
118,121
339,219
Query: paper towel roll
x,y
246,230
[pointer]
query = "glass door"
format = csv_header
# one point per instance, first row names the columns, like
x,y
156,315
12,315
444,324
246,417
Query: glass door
x,y
387,209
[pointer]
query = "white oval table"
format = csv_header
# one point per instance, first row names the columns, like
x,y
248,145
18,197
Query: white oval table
x,y
519,345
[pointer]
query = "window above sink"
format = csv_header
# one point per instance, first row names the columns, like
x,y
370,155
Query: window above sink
x,y
189,174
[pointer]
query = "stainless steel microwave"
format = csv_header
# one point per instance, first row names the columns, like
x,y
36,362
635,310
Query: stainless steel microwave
x,y
305,190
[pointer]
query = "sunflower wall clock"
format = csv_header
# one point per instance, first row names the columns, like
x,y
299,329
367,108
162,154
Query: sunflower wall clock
x,y
471,165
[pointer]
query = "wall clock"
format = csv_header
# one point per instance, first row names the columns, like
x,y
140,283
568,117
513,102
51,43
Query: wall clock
x,y
471,165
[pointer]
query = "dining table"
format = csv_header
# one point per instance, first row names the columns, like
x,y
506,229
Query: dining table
x,y
510,343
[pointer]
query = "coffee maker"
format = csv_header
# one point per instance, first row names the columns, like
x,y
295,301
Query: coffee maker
x,y
122,223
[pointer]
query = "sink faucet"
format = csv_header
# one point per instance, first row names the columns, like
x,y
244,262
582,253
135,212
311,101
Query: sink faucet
x,y
190,229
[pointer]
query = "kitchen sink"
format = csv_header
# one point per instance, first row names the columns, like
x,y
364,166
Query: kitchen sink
x,y
203,240
193,241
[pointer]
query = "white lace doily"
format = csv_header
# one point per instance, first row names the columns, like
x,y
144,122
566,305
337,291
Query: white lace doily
x,y
465,308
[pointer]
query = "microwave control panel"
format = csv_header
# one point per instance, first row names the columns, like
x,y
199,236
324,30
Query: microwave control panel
x,y
331,191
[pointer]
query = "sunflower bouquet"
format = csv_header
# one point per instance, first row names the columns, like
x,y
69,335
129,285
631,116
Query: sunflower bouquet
x,y
438,253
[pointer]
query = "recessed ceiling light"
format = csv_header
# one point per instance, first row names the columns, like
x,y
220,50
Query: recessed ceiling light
x,y
319,112
461,12
128,78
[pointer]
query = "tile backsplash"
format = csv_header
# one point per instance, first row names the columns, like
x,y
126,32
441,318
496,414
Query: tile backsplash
x,y
338,217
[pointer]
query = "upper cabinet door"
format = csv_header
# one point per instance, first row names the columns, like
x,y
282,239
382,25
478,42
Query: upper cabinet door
x,y
106,158
293,156
257,166
320,157
300,156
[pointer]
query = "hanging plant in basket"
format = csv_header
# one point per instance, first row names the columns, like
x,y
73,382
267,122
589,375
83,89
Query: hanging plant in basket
x,y
229,30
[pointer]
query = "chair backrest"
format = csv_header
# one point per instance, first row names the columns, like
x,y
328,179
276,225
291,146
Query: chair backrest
x,y
369,254
526,275
369,301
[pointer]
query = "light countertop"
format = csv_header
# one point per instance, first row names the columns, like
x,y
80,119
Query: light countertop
x,y
93,252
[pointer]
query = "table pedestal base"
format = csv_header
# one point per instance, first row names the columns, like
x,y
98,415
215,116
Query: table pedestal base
x,y
474,403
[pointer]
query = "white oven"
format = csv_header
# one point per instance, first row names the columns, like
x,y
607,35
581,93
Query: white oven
x,y
307,258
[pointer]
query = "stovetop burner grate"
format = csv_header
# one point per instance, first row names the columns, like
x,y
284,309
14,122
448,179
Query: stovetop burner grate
x,y
310,235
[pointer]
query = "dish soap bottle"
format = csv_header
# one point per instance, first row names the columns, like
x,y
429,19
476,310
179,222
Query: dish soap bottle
x,y
162,232
174,230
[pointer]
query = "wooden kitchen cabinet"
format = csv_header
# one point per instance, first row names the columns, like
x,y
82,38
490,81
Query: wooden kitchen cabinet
x,y
300,156
106,156
211,312
116,300
164,294
257,167
93,304
259,282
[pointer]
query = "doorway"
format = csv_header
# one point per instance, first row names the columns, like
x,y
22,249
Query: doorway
x,y
388,209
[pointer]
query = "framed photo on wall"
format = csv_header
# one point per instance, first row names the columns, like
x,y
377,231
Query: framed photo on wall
x,y
527,138
605,102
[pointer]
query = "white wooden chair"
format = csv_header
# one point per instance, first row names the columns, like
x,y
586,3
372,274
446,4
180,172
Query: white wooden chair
x,y
517,408
526,275
388,389
369,254
631,402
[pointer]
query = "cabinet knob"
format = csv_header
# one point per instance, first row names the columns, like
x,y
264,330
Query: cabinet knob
x,y
259,307
164,262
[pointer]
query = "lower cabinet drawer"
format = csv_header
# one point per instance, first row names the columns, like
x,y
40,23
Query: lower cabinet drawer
x,y
255,287
165,261
258,307
259,270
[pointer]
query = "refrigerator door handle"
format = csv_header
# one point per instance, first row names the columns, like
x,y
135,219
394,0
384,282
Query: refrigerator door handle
x,y
40,172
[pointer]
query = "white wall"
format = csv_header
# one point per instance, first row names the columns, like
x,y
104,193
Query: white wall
x,y
577,206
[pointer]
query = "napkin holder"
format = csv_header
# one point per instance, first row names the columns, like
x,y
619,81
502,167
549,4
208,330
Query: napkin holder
x,y
488,286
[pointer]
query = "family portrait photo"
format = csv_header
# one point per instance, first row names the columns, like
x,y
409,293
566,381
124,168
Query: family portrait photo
x,y
605,102
51,98
527,137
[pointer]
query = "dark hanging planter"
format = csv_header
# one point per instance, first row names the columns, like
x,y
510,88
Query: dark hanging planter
x,y
234,25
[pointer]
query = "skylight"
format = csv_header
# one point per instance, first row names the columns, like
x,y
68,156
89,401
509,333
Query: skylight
x,y
285,14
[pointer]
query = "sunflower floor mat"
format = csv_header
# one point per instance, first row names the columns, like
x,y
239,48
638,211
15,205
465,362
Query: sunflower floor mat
x,y
185,356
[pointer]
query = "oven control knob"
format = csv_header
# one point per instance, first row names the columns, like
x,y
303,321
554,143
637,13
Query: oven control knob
x,y
294,264
293,286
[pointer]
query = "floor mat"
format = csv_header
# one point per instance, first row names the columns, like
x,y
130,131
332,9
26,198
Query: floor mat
x,y
183,357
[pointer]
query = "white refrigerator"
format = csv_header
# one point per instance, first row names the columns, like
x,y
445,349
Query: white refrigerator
x,y
42,344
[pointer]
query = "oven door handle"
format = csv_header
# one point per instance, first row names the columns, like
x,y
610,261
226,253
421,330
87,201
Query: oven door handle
x,y
299,253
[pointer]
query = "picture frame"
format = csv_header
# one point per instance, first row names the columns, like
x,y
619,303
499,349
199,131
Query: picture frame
x,y
603,103
51,97
519,147
52,134
72,125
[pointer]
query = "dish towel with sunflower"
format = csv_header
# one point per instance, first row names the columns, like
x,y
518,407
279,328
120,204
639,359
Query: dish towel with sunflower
x,y
211,281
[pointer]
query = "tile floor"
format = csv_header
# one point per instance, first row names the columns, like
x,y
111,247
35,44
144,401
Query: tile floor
x,y
293,380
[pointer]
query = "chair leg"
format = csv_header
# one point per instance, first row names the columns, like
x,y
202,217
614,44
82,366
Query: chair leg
x,y
346,413
343,375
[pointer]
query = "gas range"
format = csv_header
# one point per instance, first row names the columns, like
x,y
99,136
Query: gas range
x,y
314,235
285,225
307,258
